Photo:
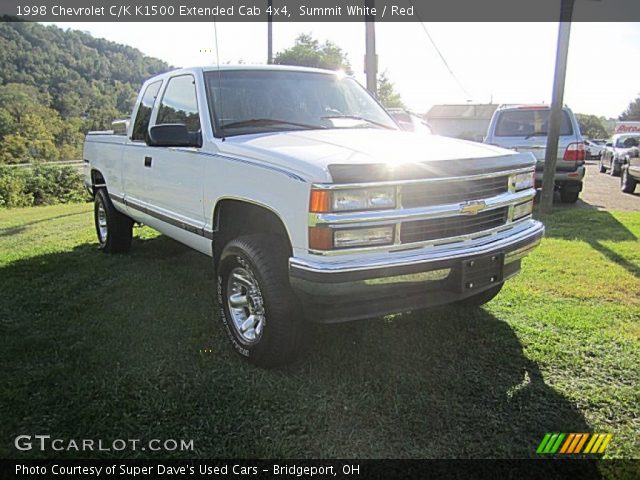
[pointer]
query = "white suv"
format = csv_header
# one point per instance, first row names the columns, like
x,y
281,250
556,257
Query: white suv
x,y
524,128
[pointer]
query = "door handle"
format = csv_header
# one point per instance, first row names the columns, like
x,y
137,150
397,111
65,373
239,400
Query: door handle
x,y
147,161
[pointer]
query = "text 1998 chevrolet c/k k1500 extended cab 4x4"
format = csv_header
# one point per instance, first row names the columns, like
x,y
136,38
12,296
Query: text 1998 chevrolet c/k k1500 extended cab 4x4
x,y
312,202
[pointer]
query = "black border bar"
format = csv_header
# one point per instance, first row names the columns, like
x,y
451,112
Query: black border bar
x,y
548,469
320,10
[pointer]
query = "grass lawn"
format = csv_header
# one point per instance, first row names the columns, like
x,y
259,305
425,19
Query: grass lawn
x,y
108,347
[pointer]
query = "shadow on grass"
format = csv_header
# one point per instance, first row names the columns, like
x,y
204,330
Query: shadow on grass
x,y
7,232
112,347
594,228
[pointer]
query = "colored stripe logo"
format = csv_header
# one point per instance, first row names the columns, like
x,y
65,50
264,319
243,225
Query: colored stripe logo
x,y
571,443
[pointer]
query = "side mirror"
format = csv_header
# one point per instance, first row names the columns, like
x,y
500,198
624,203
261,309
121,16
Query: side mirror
x,y
173,135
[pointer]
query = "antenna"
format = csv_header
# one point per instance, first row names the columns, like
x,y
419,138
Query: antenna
x,y
215,32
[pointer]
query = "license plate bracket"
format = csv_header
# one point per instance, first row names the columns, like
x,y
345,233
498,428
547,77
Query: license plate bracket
x,y
481,272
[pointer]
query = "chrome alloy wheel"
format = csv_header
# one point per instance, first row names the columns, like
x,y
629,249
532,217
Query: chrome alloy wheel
x,y
246,305
102,223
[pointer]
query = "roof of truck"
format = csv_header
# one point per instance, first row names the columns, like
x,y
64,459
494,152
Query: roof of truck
x,y
288,68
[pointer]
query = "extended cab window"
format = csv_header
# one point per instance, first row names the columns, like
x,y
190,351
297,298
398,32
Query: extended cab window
x,y
533,122
141,123
179,103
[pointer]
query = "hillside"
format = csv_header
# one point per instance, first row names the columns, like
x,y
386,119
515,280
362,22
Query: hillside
x,y
56,84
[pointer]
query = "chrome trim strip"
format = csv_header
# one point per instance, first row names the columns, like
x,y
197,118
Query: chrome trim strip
x,y
342,186
400,247
428,276
533,230
416,213
520,253
171,220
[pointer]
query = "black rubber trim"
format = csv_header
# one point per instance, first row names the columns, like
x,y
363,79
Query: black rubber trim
x,y
164,218
382,272
375,172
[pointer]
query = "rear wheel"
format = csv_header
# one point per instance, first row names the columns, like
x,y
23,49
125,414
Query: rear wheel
x,y
113,228
257,305
627,184
569,196
481,298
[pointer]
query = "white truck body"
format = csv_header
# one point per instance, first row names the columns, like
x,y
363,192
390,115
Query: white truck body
x,y
179,191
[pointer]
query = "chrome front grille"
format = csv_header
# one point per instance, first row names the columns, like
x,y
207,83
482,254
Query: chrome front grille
x,y
447,227
429,194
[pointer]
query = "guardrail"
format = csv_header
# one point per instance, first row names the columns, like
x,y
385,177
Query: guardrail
x,y
77,164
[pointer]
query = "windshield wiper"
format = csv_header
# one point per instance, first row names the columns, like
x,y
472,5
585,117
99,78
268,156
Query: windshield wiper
x,y
535,134
265,122
357,117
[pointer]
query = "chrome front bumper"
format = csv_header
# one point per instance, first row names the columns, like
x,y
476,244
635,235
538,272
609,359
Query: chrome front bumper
x,y
337,289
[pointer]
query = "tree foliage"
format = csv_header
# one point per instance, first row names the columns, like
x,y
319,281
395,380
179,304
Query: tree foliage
x,y
55,85
387,94
632,113
592,126
309,52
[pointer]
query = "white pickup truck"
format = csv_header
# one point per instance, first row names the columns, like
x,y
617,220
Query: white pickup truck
x,y
311,201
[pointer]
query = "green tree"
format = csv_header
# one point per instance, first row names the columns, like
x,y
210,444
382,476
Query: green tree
x,y
28,128
592,126
387,94
309,52
55,85
632,113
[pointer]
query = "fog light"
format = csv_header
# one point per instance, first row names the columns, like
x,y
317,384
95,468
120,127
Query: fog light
x,y
363,237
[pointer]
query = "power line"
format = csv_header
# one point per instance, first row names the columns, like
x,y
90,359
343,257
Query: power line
x,y
439,52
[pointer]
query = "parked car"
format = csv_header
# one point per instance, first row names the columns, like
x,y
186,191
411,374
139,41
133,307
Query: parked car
x,y
524,128
630,171
594,148
616,151
409,121
311,201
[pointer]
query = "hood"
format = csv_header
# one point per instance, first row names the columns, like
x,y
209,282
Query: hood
x,y
311,153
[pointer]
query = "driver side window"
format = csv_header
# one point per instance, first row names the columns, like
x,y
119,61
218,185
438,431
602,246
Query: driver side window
x,y
179,104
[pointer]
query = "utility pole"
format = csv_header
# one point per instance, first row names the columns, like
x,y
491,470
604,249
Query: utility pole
x,y
553,134
370,57
269,32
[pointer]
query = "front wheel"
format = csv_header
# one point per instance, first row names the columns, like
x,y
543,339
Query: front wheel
x,y
113,228
481,298
627,184
257,305
615,169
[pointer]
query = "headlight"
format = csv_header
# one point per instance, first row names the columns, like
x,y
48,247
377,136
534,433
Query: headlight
x,y
522,181
378,198
324,238
522,210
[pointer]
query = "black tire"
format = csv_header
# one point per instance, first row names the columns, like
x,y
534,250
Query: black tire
x,y
119,227
602,168
481,298
614,172
627,184
264,258
569,196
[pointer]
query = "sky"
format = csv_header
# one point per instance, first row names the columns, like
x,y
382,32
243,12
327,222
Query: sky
x,y
499,62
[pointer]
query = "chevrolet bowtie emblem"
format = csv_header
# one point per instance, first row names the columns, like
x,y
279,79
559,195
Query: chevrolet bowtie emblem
x,y
472,208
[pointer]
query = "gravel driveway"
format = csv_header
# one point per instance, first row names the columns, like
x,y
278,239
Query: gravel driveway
x,y
602,191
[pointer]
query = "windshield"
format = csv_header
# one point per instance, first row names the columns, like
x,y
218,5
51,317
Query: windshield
x,y
529,123
627,142
257,101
